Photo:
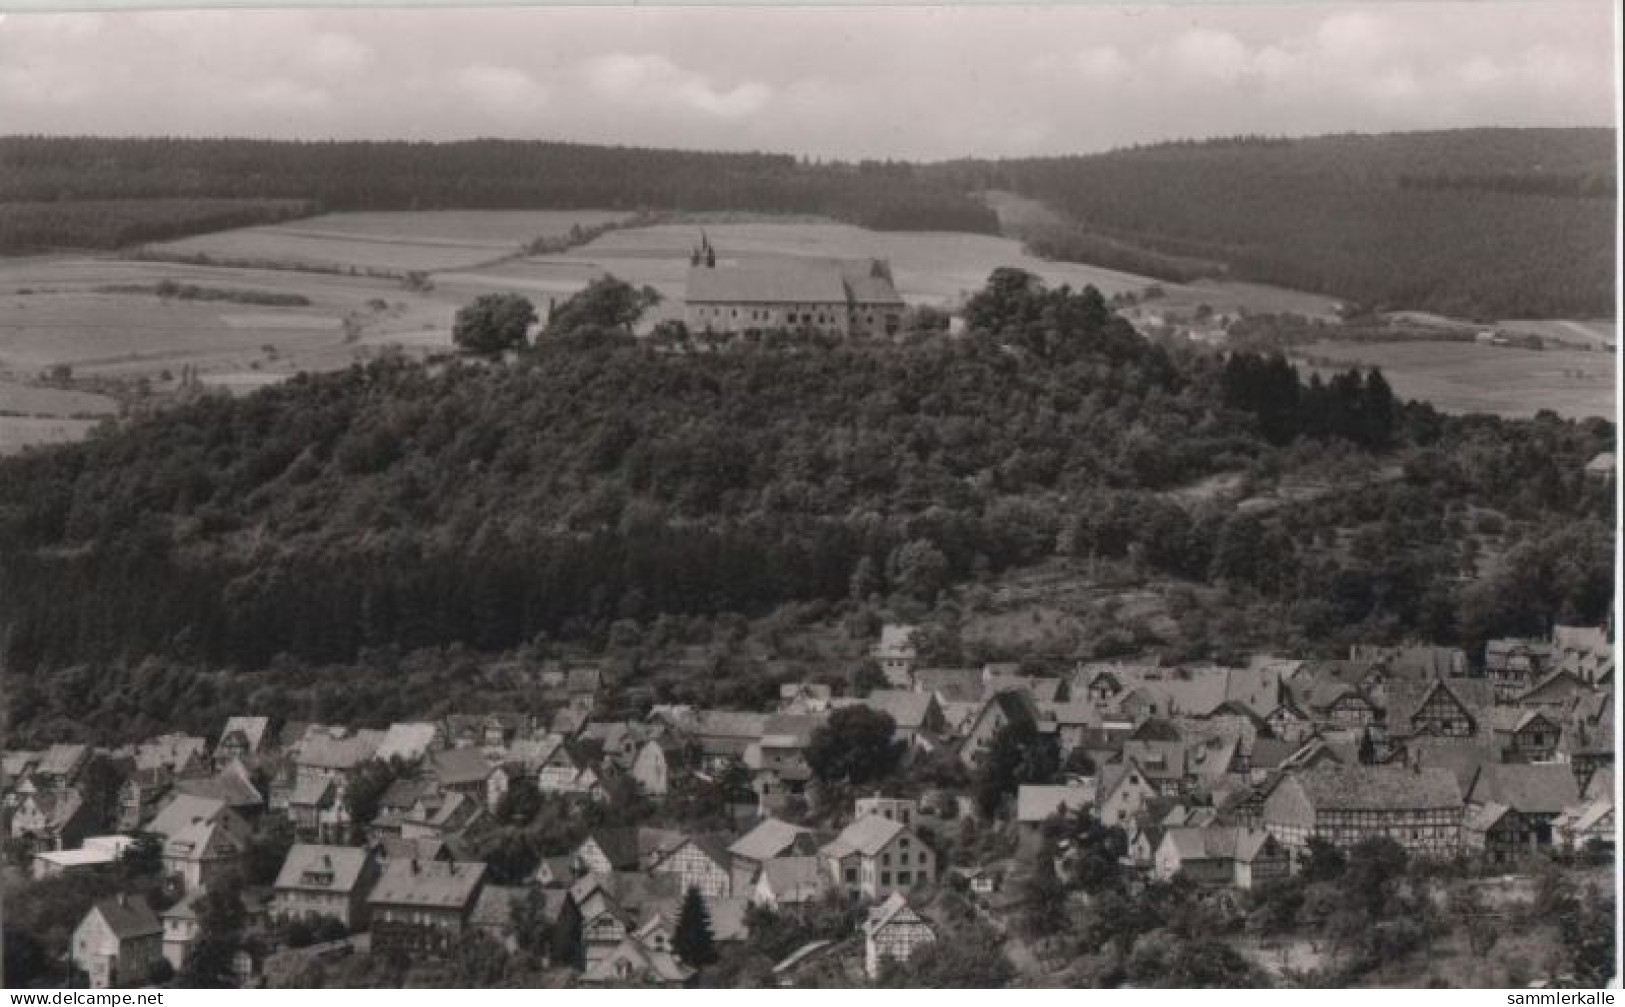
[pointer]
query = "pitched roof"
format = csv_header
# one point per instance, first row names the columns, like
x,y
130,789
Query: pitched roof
x,y
790,280
1541,788
335,748
405,741
460,767
1378,788
309,867
952,685
794,878
251,729
184,810
428,883
907,709
1036,802
866,835
494,907
894,910
62,760
770,838
128,917
896,640
230,785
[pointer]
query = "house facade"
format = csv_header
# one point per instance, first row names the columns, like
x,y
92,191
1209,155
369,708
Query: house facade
x,y
1421,809
117,943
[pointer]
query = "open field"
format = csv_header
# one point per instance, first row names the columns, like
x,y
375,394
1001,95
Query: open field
x,y
394,242
1468,377
19,432
31,400
1603,332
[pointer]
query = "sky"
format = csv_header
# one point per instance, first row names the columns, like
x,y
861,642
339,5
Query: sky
x,y
921,83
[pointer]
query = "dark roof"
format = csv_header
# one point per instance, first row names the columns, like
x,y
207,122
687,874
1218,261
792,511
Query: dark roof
x,y
792,280
1541,788
130,917
1379,788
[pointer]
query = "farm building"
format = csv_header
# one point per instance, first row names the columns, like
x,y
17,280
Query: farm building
x,y
840,297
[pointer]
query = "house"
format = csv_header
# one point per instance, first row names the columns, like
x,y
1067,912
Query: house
x,y
407,742
1340,706
330,753
139,796
838,297
952,685
493,914
893,933
466,771
60,765
1411,662
893,809
1497,833
789,881
231,786
243,739
96,853
1037,802
1419,808
175,754
875,856
1584,650
721,735
329,882
778,762
117,943
805,697
1539,793
206,850
1123,792
1011,706
1512,665
1235,856
632,963
1555,692
770,839
181,929
607,851
914,713
422,906
1523,735
438,815
896,653
1443,708
698,862
1585,827
651,766
56,819
316,809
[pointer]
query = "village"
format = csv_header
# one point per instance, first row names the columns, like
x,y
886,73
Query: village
x,y
917,784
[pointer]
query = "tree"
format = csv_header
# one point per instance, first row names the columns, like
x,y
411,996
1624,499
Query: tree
x,y
220,916
366,788
1019,754
493,324
604,305
692,940
856,745
919,569
1191,964
99,785
144,857
969,959
532,924
1374,867
1324,862
1046,910
266,849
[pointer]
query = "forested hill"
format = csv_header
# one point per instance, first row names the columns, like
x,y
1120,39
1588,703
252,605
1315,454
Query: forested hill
x,y
412,506
1489,223
478,174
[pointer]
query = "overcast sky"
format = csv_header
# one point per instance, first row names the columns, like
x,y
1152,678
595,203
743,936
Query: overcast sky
x,y
911,82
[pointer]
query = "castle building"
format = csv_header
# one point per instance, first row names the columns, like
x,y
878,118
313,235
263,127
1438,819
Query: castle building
x,y
840,297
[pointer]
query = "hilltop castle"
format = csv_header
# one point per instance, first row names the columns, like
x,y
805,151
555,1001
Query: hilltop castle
x,y
844,297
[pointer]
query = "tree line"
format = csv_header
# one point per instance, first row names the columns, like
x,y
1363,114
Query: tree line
x,y
38,172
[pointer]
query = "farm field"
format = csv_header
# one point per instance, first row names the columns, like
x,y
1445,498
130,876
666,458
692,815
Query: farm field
x,y
1468,377
29,400
393,242
1603,332
19,432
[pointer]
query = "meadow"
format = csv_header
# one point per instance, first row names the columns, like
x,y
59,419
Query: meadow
x,y
387,241
1468,377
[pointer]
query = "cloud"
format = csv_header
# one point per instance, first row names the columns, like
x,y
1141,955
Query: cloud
x,y
339,53
501,85
650,79
1101,63
1209,54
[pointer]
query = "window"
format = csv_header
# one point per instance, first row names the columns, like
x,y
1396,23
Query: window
x,y
903,842
904,878
851,876
885,877
885,859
